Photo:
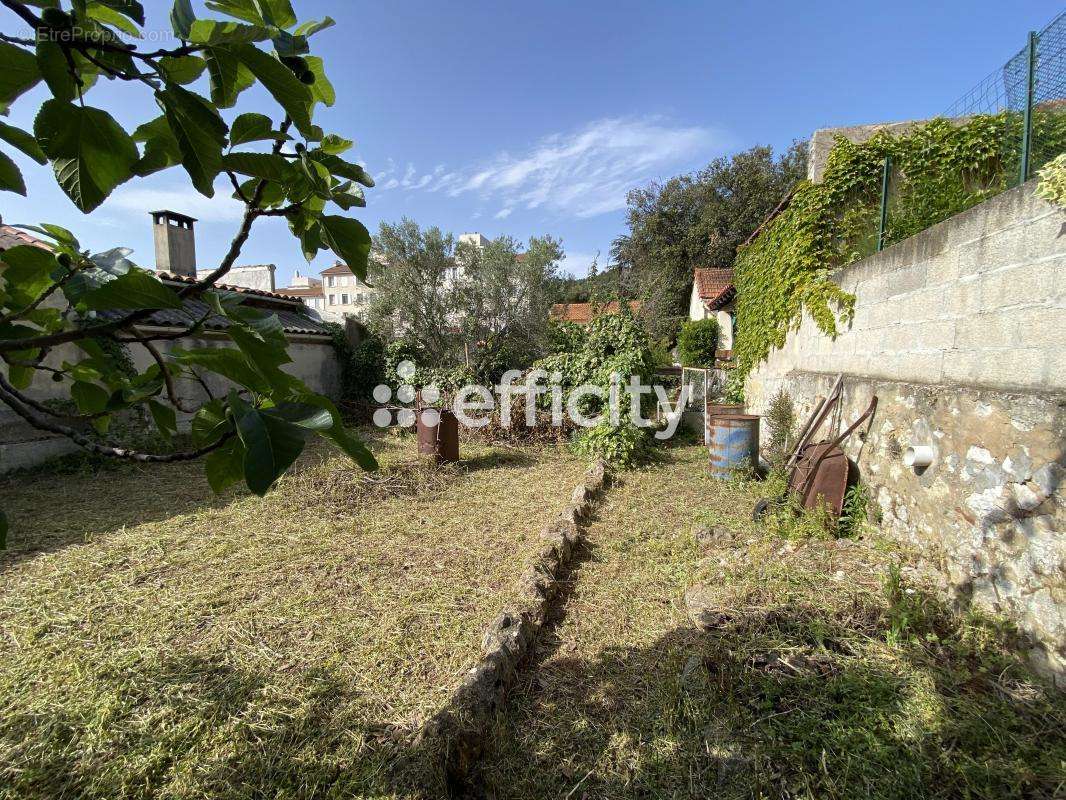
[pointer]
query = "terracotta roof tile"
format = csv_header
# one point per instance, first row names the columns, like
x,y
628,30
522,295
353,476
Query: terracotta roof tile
x,y
13,237
582,313
712,282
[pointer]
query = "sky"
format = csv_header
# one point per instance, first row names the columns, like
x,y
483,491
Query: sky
x,y
527,119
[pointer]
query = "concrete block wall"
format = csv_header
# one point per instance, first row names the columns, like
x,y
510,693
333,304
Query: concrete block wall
x,y
961,332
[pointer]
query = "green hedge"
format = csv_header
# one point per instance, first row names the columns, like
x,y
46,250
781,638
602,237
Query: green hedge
x,y
697,343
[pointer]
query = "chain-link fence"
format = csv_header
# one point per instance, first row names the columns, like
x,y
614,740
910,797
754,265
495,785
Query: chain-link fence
x,y
1027,95
1018,115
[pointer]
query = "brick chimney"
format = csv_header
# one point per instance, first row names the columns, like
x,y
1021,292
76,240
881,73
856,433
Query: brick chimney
x,y
175,243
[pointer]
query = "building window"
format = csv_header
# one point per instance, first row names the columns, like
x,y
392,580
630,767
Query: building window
x,y
333,299
344,299
329,283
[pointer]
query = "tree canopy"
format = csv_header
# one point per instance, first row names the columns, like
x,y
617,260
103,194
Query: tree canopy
x,y
64,311
699,220
458,303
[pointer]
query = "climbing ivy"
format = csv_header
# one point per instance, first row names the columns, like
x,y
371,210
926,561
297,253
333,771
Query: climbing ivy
x,y
938,169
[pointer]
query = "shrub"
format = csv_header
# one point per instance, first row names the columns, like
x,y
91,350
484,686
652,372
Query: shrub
x,y
780,420
697,343
610,343
624,446
1052,186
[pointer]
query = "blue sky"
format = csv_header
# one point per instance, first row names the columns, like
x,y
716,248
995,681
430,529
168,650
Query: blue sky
x,y
535,118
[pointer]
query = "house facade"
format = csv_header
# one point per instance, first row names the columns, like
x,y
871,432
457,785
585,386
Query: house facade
x,y
713,295
336,294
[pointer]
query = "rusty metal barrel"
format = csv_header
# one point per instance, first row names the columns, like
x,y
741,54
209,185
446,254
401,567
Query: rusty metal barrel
x,y
734,444
438,435
717,410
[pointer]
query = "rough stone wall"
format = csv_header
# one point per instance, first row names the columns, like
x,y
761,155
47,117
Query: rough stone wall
x,y
823,139
961,333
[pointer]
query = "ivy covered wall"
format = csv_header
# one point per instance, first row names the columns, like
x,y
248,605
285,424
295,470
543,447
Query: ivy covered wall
x,y
939,169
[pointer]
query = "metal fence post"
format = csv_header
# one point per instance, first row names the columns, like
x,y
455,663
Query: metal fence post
x,y
884,204
1027,120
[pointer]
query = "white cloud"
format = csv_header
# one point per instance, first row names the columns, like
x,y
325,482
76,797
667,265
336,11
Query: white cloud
x,y
139,199
503,213
577,264
583,173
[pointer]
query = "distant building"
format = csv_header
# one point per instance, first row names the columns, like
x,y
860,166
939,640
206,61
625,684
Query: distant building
x,y
713,294
175,254
584,313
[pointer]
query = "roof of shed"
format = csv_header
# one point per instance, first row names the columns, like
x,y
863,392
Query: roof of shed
x,y
291,311
582,313
713,284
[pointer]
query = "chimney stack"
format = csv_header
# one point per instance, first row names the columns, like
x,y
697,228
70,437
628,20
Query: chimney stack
x,y
175,243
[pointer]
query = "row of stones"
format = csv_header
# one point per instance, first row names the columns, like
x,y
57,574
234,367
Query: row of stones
x,y
510,637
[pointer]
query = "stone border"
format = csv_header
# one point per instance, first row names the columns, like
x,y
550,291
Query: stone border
x,y
510,637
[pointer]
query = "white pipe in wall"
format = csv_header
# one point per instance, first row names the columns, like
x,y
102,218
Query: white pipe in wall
x,y
919,456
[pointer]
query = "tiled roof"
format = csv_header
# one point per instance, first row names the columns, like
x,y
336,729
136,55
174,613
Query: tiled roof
x,y
713,282
304,291
338,269
292,320
582,313
170,277
13,237
290,310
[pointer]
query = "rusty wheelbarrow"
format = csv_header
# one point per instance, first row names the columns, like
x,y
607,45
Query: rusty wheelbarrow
x,y
819,470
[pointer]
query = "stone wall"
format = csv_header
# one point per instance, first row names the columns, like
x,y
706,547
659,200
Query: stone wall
x,y
314,362
961,333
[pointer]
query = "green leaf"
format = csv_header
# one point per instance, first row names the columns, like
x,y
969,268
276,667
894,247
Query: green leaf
x,y
334,145
229,77
311,27
90,152
27,272
91,399
246,10
277,12
341,168
136,289
251,128
182,69
200,132
18,72
214,32
165,418
11,176
267,166
278,79
271,445
348,195
55,69
16,137
321,90
305,415
105,13
3,530
182,18
350,240
225,466
129,8
209,423
161,149
224,361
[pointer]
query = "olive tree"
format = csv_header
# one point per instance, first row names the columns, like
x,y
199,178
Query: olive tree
x,y
279,164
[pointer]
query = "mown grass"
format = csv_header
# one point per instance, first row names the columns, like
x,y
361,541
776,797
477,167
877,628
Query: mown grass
x,y
156,641
831,671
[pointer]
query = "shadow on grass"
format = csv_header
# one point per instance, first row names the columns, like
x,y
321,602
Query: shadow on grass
x,y
50,509
787,702
497,458
780,702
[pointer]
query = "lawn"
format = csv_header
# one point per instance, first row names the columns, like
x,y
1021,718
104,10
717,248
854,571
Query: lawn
x,y
824,673
156,641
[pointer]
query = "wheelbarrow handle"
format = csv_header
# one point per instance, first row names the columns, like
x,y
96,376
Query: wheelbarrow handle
x,y
865,415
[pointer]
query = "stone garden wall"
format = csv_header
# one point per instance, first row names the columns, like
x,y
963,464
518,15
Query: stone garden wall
x,y
961,333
